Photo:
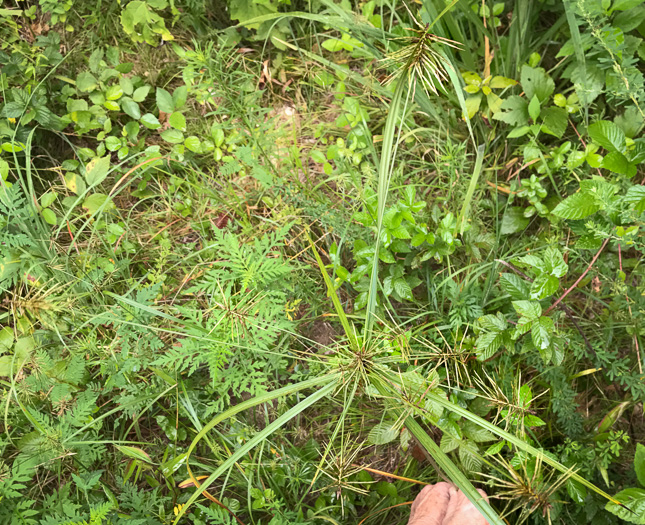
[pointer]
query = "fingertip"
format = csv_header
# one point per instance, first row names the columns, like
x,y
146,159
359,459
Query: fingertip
x,y
442,486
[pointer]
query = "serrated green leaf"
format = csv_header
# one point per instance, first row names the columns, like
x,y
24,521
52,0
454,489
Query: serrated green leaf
x,y
488,344
363,217
577,492
400,232
617,163
514,286
536,82
636,198
577,206
608,135
514,111
530,310
493,323
575,159
449,442
541,332
402,288
555,121
477,433
543,286
383,433
386,256
631,121
469,456
554,263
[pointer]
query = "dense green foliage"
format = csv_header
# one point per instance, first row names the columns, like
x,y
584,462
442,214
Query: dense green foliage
x,y
274,261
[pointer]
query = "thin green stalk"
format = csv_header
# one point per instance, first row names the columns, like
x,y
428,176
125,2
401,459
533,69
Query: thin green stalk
x,y
388,153
471,189
453,472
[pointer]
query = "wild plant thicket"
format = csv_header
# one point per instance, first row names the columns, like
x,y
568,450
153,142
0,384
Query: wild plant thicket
x,y
278,262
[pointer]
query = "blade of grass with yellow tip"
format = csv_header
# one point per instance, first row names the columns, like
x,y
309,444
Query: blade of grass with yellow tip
x,y
390,475
453,472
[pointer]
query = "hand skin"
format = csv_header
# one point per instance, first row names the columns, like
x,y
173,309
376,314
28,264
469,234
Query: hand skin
x,y
443,504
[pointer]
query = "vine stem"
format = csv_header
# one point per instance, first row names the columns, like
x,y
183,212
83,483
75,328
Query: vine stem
x,y
573,286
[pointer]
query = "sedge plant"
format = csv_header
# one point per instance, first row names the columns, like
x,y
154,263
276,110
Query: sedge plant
x,y
361,364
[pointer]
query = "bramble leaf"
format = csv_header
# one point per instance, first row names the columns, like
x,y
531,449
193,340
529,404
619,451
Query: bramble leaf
x,y
514,286
608,135
577,206
382,433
